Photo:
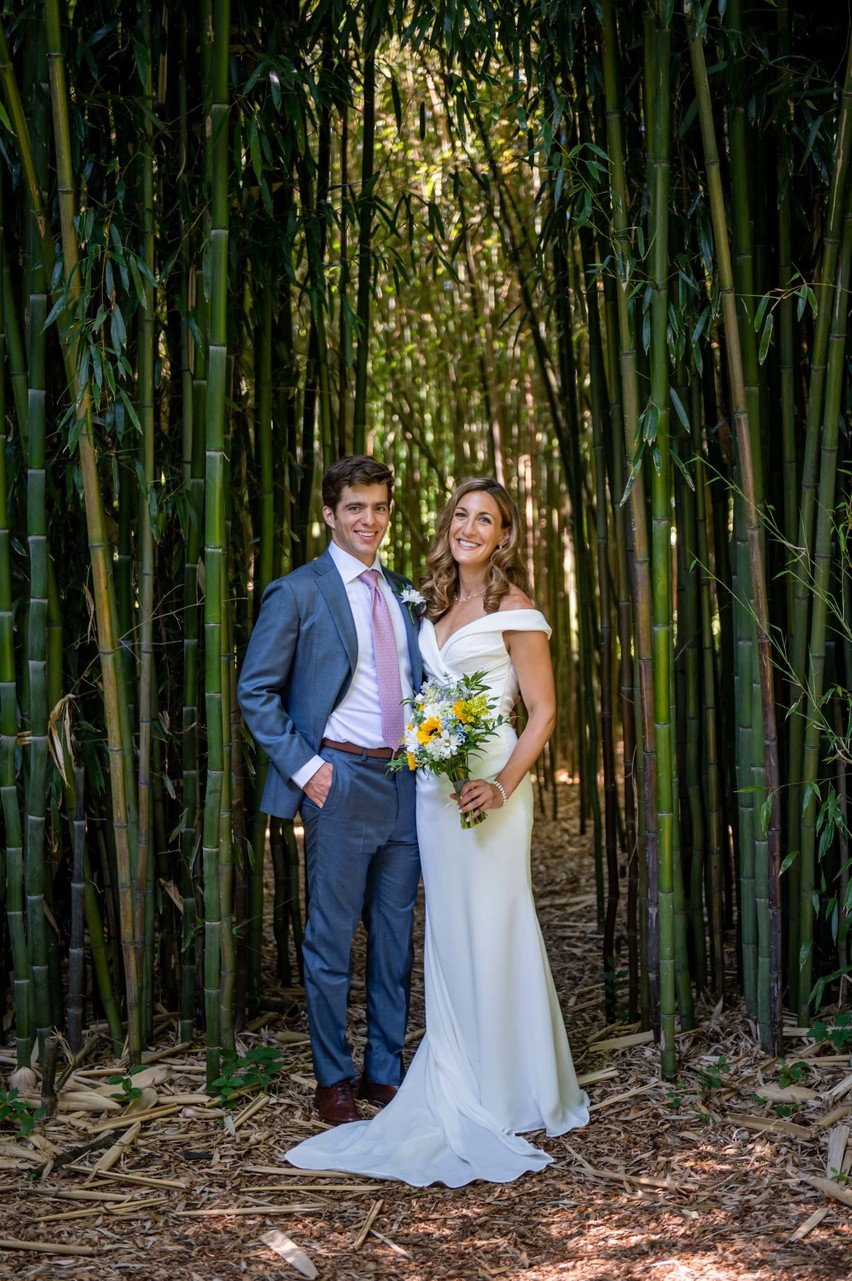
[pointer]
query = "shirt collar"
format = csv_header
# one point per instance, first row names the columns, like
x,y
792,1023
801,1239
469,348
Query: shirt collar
x,y
350,567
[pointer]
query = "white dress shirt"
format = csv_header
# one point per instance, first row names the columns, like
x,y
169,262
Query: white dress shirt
x,y
358,717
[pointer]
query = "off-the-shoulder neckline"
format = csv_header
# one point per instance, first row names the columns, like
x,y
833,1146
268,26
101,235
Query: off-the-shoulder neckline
x,y
484,618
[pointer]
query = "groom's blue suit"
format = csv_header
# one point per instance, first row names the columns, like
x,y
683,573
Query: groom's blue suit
x,y
361,847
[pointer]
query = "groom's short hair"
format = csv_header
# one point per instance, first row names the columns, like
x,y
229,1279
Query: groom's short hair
x,y
356,469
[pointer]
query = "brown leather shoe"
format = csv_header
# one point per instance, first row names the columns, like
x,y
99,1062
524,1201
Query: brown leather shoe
x,y
335,1103
372,1092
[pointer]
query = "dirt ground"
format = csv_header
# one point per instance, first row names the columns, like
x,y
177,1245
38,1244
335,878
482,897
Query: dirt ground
x,y
734,1172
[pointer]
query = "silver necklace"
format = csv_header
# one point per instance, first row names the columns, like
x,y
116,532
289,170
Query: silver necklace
x,y
462,600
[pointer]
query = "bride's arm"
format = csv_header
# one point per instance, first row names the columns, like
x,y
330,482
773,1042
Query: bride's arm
x,y
530,654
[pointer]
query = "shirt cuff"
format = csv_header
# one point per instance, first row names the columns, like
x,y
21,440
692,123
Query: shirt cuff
x,y
306,773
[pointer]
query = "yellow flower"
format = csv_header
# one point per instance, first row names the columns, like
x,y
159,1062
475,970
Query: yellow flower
x,y
429,727
410,725
459,711
412,763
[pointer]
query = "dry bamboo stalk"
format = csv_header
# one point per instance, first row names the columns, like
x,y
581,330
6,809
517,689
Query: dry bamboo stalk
x,y
836,1161
353,1189
619,1098
54,1247
144,1180
372,1215
118,1122
114,1153
79,1194
249,1111
126,1208
603,1074
830,1188
230,1210
625,1042
298,1174
770,1126
809,1224
392,1244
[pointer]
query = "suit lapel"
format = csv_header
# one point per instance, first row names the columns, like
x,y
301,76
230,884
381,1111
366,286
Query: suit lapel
x,y
331,585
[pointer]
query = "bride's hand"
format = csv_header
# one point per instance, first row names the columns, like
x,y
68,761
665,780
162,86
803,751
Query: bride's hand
x,y
478,795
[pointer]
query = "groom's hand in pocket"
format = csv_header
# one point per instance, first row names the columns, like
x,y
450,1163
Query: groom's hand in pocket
x,y
317,787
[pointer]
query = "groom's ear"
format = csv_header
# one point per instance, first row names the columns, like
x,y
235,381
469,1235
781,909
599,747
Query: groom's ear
x,y
328,516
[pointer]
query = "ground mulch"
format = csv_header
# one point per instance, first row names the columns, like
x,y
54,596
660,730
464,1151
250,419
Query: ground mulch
x,y
735,1172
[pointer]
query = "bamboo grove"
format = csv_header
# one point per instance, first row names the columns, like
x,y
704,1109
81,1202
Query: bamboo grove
x,y
601,250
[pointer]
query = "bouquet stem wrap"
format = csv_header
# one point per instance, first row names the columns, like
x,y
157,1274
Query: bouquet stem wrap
x,y
467,820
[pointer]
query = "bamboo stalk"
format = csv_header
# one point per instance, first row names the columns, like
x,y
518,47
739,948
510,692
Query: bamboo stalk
x,y
14,853
772,1029
646,766
145,384
215,551
822,587
35,870
658,125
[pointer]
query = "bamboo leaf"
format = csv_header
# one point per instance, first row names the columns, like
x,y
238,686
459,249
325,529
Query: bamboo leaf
x,y
766,338
679,409
397,102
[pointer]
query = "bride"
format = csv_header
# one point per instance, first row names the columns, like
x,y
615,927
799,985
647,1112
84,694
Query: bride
x,y
494,1062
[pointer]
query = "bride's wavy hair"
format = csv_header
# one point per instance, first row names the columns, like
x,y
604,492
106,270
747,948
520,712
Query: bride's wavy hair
x,y
441,584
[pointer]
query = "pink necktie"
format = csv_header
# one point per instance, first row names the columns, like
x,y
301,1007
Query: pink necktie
x,y
387,663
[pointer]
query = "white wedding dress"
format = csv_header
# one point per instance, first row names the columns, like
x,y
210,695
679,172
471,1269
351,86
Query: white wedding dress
x,y
494,1061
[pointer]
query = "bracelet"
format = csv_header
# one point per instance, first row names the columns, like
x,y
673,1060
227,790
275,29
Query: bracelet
x,y
501,789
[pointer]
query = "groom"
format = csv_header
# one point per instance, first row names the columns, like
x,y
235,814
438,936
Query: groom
x,y
333,654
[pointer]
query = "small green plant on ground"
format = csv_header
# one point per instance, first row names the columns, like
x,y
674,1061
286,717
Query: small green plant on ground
x,y
712,1077
839,1034
791,1073
127,1091
254,1070
18,1112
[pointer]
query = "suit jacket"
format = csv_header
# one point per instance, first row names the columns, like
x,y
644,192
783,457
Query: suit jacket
x,y
298,667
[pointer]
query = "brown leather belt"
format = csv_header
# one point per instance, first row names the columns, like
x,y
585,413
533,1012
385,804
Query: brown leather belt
x,y
372,753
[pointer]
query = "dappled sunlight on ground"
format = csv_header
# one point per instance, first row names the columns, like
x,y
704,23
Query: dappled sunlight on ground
x,y
707,1177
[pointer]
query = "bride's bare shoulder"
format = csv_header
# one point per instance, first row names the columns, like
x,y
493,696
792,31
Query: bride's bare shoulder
x,y
516,599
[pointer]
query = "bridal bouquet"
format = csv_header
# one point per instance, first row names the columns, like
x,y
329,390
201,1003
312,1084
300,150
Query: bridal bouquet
x,y
449,721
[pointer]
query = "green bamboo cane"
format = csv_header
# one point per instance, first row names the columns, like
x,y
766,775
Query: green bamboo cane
x,y
708,716
822,587
754,849
193,412
787,392
344,330
646,746
98,541
799,563
658,126
14,869
689,642
264,576
624,616
76,957
598,400
752,521
100,957
37,544
227,962
365,257
786,354
145,394
16,362
214,528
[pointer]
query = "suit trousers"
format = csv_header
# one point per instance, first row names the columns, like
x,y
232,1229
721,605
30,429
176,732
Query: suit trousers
x,y
362,862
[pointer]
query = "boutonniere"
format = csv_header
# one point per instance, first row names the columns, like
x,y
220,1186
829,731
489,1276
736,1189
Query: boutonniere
x,y
413,601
